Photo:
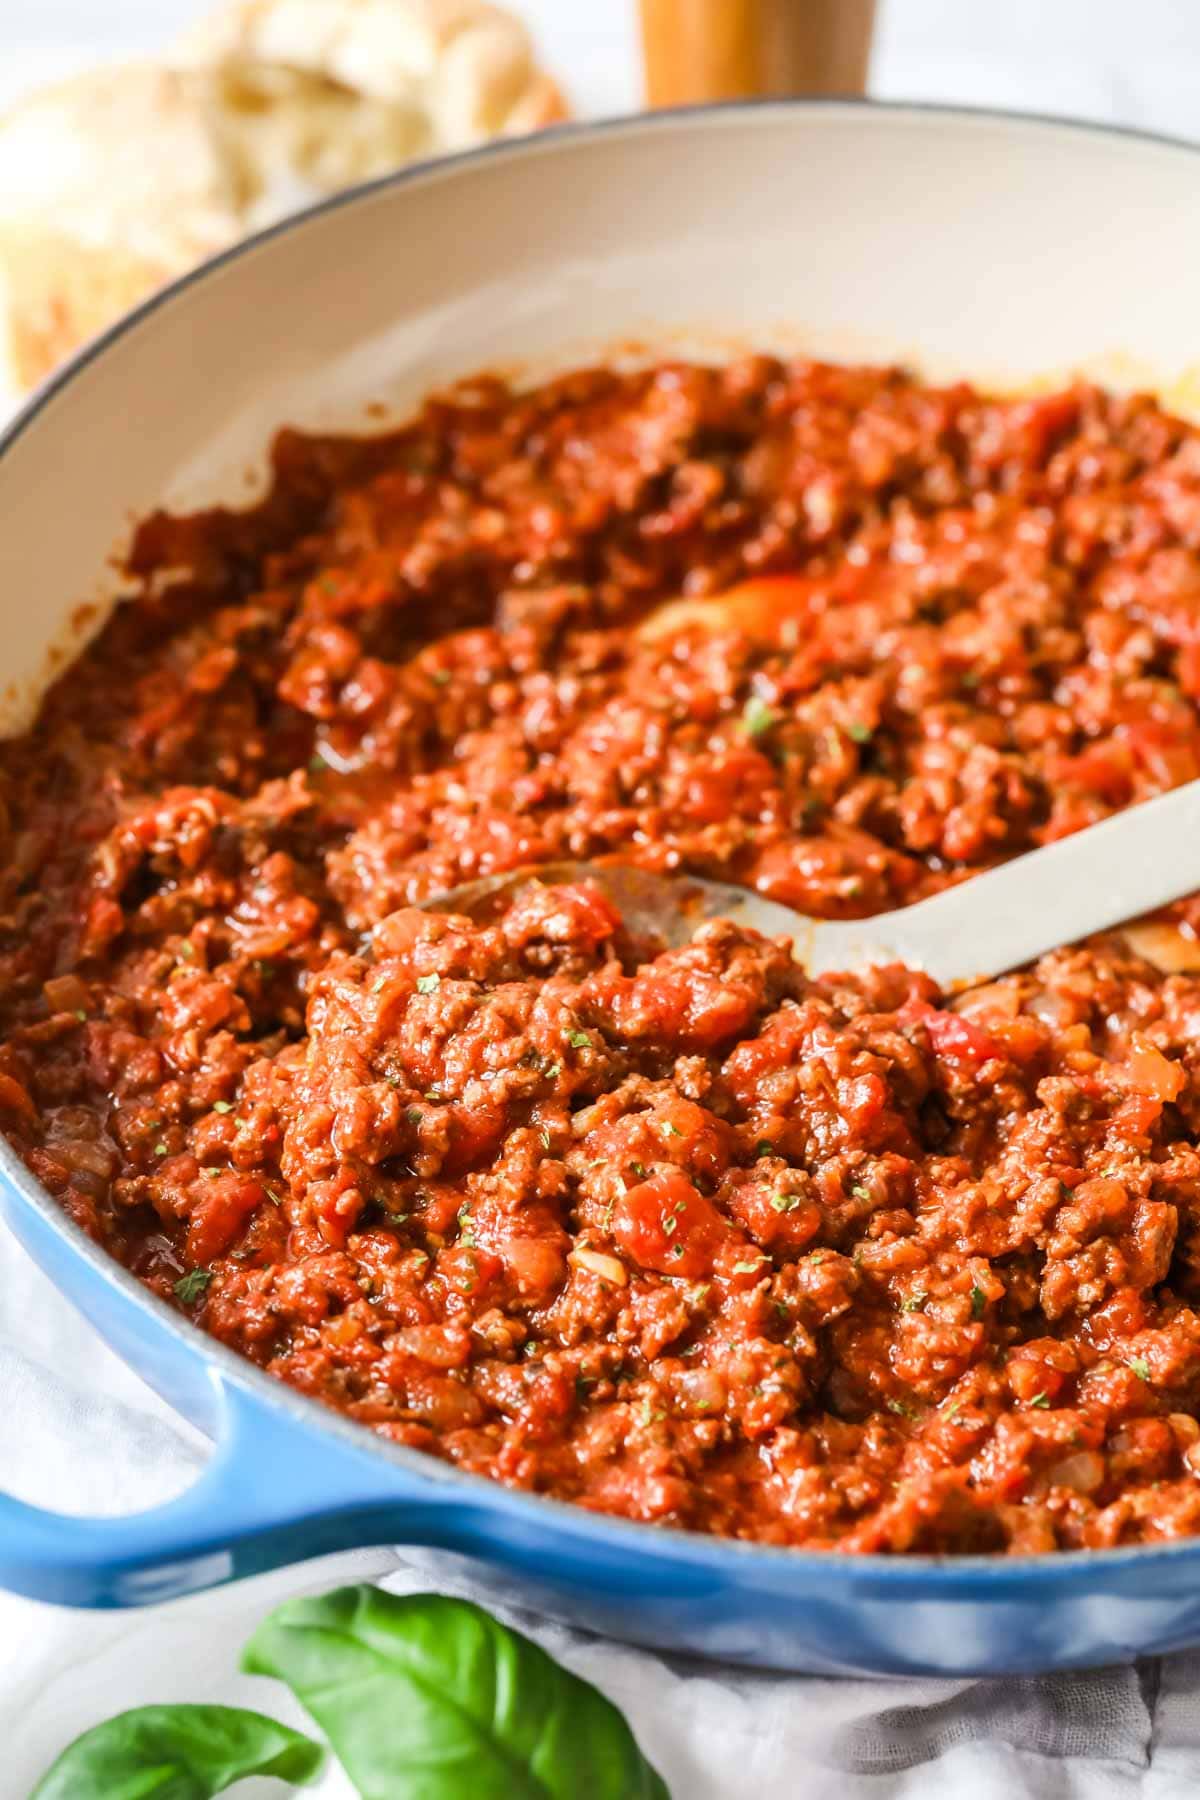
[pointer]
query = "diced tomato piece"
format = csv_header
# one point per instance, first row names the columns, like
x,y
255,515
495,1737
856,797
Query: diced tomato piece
x,y
863,1099
680,1006
777,1046
467,1268
103,921
769,599
223,1204
959,1039
1039,1370
1104,768
475,1132
530,1243
1151,1073
15,1098
667,1225
576,914
1167,752
1120,1317
723,785
999,1001
774,1214
1033,427
1137,1116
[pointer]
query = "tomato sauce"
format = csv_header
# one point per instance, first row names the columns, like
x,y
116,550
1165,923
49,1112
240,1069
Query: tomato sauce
x,y
682,1236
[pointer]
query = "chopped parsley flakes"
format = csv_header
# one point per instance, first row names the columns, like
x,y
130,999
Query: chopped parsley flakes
x,y
758,717
190,1286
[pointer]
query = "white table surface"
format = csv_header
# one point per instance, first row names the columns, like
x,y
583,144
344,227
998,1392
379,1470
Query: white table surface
x,y
1090,58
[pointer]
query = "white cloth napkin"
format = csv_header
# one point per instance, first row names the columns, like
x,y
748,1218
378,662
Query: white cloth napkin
x,y
80,1432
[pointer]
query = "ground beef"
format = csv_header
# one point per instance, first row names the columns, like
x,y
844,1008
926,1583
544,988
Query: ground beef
x,y
682,1236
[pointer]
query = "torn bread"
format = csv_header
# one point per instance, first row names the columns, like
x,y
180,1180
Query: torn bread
x,y
124,178
436,74
110,185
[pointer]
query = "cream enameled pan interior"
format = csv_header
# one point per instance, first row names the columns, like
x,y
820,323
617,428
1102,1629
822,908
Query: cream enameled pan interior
x,y
1004,249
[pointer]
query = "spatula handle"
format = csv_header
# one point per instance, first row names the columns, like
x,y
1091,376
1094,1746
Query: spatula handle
x,y
1106,875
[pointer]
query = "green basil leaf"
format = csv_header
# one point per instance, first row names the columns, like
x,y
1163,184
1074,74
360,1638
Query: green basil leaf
x,y
427,1698
177,1753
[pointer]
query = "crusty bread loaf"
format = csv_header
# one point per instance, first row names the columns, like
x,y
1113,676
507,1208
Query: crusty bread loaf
x,y
457,71
110,185
122,179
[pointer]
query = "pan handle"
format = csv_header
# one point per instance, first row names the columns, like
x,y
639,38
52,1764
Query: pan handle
x,y
274,1492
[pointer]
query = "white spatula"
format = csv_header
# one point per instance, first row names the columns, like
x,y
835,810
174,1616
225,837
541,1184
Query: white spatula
x,y
1104,876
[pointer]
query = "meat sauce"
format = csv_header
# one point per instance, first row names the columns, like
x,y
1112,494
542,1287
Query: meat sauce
x,y
685,1237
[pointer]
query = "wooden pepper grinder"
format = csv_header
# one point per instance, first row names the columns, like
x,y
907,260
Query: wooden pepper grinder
x,y
735,49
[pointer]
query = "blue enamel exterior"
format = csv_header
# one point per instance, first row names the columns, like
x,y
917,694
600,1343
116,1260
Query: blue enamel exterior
x,y
289,1481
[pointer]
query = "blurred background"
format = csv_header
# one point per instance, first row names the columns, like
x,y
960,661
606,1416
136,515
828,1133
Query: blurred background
x,y
1103,59
256,107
